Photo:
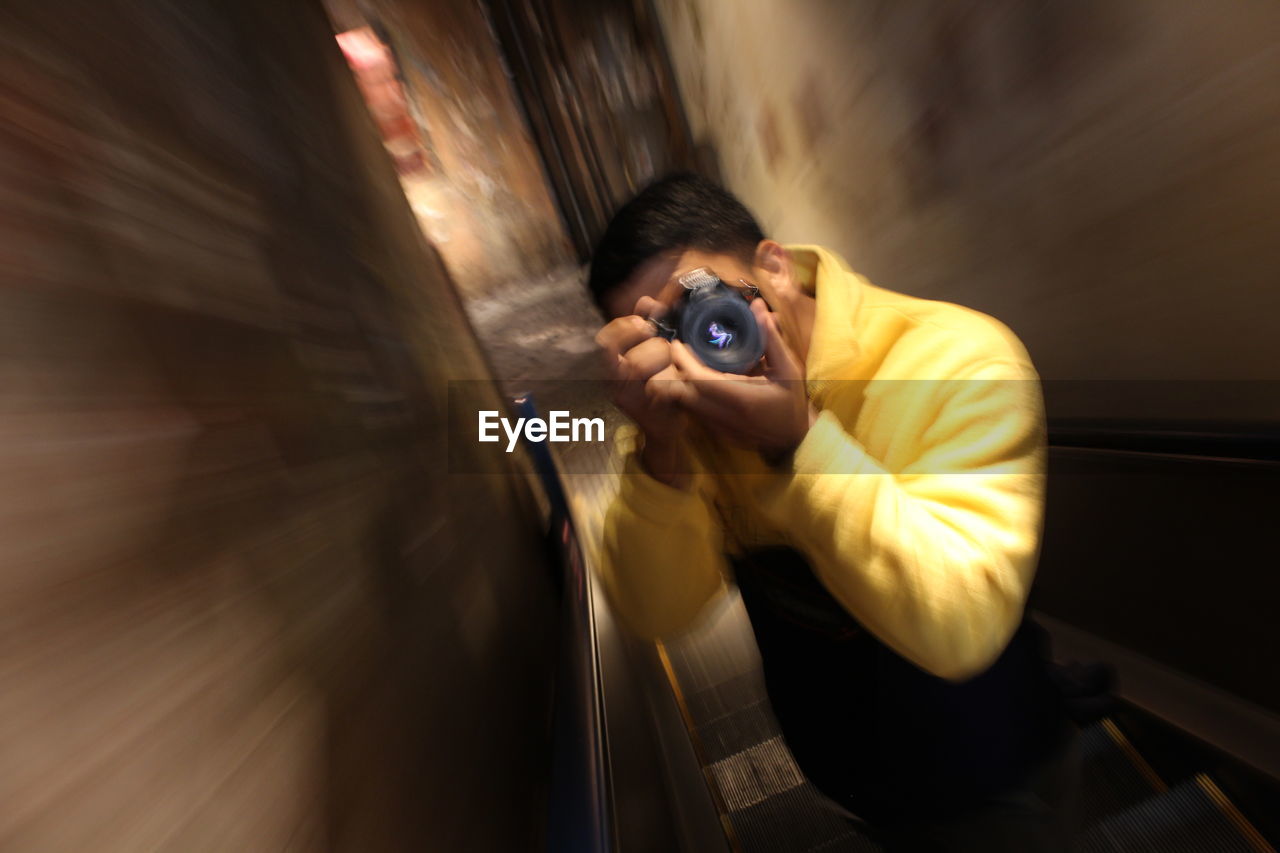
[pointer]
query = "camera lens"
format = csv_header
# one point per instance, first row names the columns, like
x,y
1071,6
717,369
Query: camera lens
x,y
722,332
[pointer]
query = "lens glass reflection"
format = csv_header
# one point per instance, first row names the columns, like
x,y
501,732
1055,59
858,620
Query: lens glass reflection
x,y
720,334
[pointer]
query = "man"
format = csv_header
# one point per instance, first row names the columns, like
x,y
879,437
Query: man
x,y
875,489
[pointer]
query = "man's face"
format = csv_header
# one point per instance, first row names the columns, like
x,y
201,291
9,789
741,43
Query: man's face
x,y
659,278
765,412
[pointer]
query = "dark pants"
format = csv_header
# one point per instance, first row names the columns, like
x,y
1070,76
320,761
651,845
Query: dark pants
x,y
986,764
1035,816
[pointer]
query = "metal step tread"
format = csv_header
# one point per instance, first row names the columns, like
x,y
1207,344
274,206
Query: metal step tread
x,y
1191,817
1113,776
798,820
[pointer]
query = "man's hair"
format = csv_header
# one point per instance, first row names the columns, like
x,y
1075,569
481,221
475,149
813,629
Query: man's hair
x,y
675,213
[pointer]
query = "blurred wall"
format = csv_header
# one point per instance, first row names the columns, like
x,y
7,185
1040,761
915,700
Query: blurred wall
x,y
244,605
601,101
1104,177
478,188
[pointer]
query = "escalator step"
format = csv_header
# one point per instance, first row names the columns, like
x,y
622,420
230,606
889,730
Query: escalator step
x,y
1184,819
737,731
1113,776
798,820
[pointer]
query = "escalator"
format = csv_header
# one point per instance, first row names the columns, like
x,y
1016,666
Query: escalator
x,y
727,781
1126,805
1160,795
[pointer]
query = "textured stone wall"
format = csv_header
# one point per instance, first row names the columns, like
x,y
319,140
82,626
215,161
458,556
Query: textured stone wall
x,y
243,604
1105,177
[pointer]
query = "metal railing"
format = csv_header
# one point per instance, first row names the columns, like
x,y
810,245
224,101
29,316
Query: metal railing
x,y
580,808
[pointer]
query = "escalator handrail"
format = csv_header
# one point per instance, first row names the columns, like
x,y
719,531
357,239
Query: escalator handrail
x,y
580,804
1252,444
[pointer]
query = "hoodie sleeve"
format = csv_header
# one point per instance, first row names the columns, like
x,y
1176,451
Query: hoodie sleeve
x,y
663,559
936,559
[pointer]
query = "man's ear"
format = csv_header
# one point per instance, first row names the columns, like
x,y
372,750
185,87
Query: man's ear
x,y
775,262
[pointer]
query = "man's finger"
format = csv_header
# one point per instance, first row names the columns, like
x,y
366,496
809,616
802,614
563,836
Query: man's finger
x,y
666,387
728,398
709,383
647,306
737,406
691,366
621,335
645,359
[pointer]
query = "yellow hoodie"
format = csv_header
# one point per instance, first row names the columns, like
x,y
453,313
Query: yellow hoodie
x,y
916,497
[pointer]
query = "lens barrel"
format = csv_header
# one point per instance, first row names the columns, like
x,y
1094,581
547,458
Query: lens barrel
x,y
717,324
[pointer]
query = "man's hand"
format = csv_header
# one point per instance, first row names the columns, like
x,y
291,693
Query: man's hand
x,y
769,412
646,388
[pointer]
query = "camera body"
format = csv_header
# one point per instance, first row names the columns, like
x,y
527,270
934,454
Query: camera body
x,y
715,322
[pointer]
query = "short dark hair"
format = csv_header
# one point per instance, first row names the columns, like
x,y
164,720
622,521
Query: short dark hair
x,y
677,212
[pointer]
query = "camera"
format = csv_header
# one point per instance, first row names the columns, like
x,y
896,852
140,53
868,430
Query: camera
x,y
714,321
